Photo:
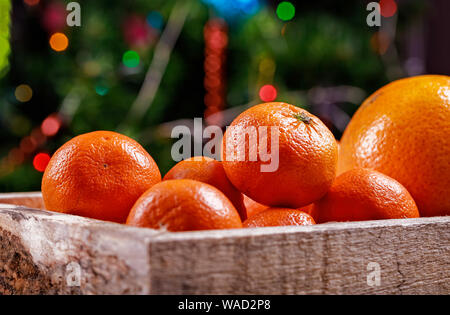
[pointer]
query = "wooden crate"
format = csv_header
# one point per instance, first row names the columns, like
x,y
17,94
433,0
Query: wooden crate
x,y
49,253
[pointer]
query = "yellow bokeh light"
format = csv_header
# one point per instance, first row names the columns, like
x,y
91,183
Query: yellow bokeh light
x,y
267,67
23,93
59,42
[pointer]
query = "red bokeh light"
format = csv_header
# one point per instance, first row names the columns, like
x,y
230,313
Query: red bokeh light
x,y
137,32
16,156
37,136
268,93
50,126
28,145
40,161
54,17
216,41
31,2
388,7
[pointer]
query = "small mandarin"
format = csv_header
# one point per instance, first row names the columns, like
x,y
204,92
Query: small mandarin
x,y
209,171
184,205
98,175
304,157
363,194
279,217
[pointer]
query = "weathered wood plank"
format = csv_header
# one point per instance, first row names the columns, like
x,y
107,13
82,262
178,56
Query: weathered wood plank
x,y
30,199
413,255
38,250
50,253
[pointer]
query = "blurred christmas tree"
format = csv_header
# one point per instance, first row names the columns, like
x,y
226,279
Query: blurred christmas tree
x,y
134,65
4,34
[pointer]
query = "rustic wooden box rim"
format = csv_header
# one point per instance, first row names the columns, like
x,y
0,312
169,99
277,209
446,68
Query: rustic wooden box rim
x,y
244,232
37,246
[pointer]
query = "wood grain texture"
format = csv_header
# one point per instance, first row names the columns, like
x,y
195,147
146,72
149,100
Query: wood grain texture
x,y
31,199
37,246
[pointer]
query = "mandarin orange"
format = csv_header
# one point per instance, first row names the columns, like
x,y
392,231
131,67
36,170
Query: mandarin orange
x,y
184,205
363,194
98,175
305,152
209,171
279,217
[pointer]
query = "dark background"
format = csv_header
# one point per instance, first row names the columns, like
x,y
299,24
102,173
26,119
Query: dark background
x,y
326,59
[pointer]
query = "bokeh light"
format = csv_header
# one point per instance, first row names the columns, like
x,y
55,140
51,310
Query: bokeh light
x,y
59,42
267,93
38,136
16,156
137,32
31,2
28,145
267,66
380,42
91,68
388,8
23,93
215,34
54,17
155,20
50,126
40,161
101,89
130,59
233,10
285,11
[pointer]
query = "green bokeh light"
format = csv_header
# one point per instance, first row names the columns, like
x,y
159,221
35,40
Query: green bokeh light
x,y
5,6
101,90
130,59
285,11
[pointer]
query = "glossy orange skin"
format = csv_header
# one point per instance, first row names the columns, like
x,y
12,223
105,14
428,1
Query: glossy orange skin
x,y
363,194
98,175
184,205
403,131
307,157
252,207
209,171
279,217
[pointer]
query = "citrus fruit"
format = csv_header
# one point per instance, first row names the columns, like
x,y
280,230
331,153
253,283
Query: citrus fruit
x,y
303,159
252,207
403,131
209,171
184,205
279,217
308,209
363,194
98,175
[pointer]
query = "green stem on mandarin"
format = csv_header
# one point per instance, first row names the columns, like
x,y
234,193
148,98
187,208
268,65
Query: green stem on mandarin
x,y
302,117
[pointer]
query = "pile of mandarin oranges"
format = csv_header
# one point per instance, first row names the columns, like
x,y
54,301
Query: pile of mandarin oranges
x,y
392,162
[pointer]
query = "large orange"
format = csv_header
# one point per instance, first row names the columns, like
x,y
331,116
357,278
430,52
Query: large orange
x,y
98,175
403,131
209,171
184,205
363,194
307,155
279,217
